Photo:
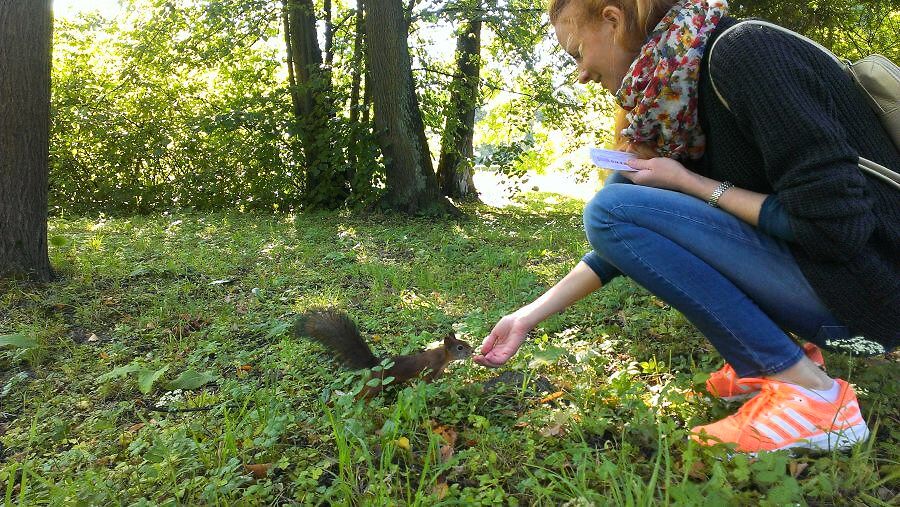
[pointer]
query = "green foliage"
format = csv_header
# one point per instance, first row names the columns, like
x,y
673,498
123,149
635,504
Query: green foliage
x,y
170,106
849,28
17,341
185,104
168,374
145,377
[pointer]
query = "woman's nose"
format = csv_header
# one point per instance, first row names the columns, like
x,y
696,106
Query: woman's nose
x,y
583,76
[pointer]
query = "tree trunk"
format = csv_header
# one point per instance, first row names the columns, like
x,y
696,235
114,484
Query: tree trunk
x,y
411,183
358,63
329,36
326,184
455,172
25,45
367,96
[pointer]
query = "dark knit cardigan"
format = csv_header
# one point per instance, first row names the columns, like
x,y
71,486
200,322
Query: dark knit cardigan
x,y
796,128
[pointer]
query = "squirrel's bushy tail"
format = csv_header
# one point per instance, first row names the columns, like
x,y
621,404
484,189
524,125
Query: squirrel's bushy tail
x,y
337,332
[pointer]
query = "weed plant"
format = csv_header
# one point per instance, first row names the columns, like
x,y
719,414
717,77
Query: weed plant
x,y
159,369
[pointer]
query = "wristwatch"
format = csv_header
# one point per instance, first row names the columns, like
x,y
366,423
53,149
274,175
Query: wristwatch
x,y
714,198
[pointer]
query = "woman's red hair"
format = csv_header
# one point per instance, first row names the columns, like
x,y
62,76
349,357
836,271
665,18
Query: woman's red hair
x,y
641,17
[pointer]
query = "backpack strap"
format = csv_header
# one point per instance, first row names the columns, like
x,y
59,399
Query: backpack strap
x,y
867,166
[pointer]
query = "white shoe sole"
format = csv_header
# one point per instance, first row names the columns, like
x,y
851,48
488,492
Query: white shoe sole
x,y
839,440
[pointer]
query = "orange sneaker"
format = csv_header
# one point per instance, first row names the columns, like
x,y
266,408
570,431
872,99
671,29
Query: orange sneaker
x,y
783,417
723,383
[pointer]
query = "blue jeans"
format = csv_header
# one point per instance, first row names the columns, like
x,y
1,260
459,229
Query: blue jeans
x,y
739,286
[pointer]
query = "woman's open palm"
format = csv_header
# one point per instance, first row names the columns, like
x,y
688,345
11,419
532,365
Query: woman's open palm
x,y
503,342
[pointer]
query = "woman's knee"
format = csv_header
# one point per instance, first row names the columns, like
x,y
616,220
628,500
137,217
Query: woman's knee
x,y
600,212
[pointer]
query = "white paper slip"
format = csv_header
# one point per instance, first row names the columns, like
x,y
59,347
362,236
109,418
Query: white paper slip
x,y
611,159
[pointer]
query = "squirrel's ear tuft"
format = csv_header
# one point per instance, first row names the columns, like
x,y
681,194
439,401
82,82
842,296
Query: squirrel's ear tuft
x,y
450,338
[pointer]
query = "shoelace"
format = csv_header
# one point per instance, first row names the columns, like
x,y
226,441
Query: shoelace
x,y
768,394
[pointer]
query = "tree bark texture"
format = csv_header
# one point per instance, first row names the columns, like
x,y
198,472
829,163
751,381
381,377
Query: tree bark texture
x,y
455,169
25,45
358,63
411,182
326,184
329,35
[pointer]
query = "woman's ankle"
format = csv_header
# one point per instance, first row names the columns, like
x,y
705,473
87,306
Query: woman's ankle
x,y
805,373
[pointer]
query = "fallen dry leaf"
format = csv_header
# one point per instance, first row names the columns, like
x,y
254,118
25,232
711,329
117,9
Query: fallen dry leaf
x,y
93,338
134,428
106,460
552,431
446,453
440,489
698,471
447,433
797,468
551,397
259,470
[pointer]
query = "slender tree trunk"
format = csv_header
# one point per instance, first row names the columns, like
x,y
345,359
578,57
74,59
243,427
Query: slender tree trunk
x,y
329,36
292,79
25,45
358,62
455,171
326,184
411,182
356,128
367,95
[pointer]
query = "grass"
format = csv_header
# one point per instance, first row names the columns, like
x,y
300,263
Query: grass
x,y
159,370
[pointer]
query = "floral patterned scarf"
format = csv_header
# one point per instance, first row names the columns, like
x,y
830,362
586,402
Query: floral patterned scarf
x,y
659,91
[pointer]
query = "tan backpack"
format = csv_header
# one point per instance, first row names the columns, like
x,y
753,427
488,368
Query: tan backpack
x,y
876,76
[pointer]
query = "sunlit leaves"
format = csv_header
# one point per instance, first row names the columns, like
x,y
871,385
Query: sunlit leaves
x,y
17,341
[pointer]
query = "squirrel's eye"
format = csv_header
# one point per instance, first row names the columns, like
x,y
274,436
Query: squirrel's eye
x,y
459,347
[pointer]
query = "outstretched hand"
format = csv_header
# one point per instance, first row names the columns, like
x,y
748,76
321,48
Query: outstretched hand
x,y
658,172
503,342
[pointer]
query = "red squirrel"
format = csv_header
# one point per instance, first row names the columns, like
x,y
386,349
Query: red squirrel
x,y
338,333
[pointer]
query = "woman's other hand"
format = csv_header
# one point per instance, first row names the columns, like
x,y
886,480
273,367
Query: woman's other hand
x,y
659,172
503,342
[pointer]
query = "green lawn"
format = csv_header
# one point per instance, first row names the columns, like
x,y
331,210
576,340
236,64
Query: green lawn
x,y
159,369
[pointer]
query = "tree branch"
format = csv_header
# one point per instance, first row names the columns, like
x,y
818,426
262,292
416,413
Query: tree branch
x,y
488,84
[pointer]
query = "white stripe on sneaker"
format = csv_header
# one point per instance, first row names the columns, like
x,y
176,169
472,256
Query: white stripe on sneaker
x,y
799,419
769,432
785,426
853,421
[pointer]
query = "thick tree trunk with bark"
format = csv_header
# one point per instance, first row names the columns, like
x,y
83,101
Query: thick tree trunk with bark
x,y
411,182
25,43
455,171
326,184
